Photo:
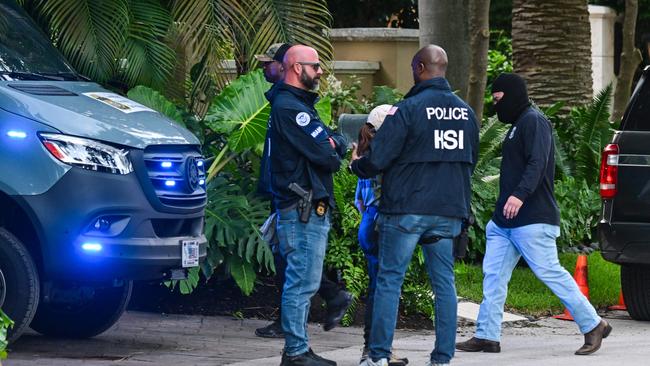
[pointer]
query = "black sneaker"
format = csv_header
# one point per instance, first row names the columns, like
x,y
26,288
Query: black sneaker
x,y
336,308
308,358
273,330
479,345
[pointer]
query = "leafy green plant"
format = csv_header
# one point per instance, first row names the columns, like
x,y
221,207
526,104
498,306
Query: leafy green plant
x,y
383,94
499,61
579,205
584,134
5,324
343,96
343,252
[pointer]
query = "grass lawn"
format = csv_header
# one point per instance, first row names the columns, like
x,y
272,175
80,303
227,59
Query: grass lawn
x,y
528,295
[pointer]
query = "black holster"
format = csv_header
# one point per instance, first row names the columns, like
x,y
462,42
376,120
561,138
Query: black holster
x,y
304,210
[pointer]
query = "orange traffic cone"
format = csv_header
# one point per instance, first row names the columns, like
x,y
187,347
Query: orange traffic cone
x,y
581,277
620,305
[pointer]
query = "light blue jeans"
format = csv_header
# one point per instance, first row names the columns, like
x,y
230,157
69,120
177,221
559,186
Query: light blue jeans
x,y
536,243
398,236
303,247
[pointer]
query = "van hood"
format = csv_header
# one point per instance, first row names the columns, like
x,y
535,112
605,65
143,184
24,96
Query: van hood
x,y
86,109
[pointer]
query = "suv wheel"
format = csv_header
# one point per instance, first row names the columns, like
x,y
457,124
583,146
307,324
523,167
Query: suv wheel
x,y
635,281
81,310
19,286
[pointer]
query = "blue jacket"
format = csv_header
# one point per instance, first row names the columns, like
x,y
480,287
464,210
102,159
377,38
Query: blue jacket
x,y
264,182
300,149
426,149
528,171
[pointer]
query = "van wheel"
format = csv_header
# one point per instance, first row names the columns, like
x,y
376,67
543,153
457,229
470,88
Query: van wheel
x,y
19,286
635,281
81,310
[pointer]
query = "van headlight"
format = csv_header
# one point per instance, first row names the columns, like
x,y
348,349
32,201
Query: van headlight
x,y
87,154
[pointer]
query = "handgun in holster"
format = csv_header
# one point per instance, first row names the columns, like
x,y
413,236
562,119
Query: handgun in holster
x,y
461,242
304,204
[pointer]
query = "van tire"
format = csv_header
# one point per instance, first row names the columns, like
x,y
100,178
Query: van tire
x,y
21,284
635,282
89,317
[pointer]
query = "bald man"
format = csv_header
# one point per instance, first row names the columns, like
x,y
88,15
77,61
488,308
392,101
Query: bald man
x,y
304,154
426,151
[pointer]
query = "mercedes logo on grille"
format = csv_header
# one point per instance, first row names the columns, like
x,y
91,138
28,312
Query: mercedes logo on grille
x,y
192,173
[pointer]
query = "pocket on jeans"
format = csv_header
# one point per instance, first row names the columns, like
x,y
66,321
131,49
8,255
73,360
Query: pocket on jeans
x,y
286,235
552,231
409,223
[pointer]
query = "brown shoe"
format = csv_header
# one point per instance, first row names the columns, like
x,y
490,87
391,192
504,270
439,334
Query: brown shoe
x,y
594,339
479,345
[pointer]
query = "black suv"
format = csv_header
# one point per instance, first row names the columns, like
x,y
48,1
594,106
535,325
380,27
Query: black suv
x,y
624,228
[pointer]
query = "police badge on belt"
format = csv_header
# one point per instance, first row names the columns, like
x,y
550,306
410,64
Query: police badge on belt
x,y
321,208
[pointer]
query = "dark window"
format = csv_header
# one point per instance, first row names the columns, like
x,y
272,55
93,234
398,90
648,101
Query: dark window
x,y
637,115
23,47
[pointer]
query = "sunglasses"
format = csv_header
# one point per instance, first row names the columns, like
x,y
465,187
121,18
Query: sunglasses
x,y
314,65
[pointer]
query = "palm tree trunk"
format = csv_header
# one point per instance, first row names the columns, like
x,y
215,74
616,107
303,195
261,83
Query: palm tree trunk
x,y
479,41
444,23
630,58
551,46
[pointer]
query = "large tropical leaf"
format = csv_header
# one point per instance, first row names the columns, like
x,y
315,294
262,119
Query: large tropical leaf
x,y
148,59
243,273
242,110
90,33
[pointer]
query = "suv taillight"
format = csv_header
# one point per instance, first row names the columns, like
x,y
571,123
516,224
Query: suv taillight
x,y
609,171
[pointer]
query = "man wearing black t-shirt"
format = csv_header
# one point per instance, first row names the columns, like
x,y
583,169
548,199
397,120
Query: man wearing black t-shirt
x,y
526,222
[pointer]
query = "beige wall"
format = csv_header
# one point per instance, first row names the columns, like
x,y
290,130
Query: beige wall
x,y
391,48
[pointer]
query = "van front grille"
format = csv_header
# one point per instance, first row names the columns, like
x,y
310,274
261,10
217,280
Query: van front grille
x,y
177,174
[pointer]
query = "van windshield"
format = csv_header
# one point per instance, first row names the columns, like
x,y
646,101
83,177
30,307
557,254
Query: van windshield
x,y
25,52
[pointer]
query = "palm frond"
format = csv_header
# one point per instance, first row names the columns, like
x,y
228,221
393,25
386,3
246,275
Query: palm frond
x,y
301,22
490,138
89,33
594,132
149,60
207,29
156,101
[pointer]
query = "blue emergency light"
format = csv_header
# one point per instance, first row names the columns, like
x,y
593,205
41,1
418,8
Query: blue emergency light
x,y
15,134
91,247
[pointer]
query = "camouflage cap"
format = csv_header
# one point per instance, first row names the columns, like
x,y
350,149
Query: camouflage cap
x,y
275,52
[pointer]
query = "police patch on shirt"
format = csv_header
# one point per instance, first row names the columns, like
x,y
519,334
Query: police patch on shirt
x,y
302,119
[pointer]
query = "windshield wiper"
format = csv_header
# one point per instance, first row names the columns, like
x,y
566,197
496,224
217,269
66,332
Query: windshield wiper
x,y
31,75
67,75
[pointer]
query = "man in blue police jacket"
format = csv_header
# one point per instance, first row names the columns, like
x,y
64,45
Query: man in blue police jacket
x,y
337,299
304,155
426,150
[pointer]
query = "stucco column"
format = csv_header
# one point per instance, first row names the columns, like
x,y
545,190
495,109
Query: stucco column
x,y
602,19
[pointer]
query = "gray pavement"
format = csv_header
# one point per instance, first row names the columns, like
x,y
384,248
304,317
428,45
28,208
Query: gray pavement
x,y
154,339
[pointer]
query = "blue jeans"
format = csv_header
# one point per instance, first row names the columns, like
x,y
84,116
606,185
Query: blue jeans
x,y
536,243
368,244
303,246
398,236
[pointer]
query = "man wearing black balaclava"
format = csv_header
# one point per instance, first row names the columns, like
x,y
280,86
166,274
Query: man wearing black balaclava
x,y
526,223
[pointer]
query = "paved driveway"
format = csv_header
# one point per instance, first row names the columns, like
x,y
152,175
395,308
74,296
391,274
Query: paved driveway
x,y
153,339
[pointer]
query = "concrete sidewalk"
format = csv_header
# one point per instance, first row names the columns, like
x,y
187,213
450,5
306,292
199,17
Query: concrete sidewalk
x,y
153,339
